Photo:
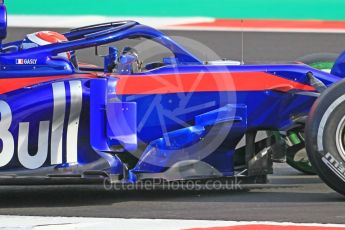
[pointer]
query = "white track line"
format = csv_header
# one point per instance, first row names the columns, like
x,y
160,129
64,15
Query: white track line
x,y
64,223
42,21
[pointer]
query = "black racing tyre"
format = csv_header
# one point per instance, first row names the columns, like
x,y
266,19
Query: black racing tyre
x,y
325,136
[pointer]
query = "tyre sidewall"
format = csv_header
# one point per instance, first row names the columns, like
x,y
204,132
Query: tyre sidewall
x,y
327,162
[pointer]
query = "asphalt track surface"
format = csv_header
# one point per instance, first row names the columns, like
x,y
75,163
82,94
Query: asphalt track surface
x,y
291,196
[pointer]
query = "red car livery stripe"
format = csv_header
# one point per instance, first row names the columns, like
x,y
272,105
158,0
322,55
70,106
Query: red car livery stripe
x,y
11,84
205,82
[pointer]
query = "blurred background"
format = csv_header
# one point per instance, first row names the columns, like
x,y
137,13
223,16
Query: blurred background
x,y
273,31
255,9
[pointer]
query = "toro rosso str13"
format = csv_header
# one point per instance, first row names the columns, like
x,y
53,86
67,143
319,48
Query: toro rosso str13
x,y
174,119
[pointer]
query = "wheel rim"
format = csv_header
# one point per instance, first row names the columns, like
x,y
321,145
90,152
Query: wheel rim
x,y
340,138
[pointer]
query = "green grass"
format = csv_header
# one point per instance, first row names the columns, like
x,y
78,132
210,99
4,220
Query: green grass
x,y
323,65
264,9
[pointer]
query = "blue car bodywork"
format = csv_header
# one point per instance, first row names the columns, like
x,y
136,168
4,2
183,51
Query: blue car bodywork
x,y
181,120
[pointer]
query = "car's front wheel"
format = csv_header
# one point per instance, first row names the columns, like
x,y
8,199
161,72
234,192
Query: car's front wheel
x,y
325,136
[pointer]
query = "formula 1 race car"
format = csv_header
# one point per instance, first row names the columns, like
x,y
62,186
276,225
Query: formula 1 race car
x,y
173,119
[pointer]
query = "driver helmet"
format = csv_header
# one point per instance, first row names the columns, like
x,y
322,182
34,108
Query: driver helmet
x,y
42,38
